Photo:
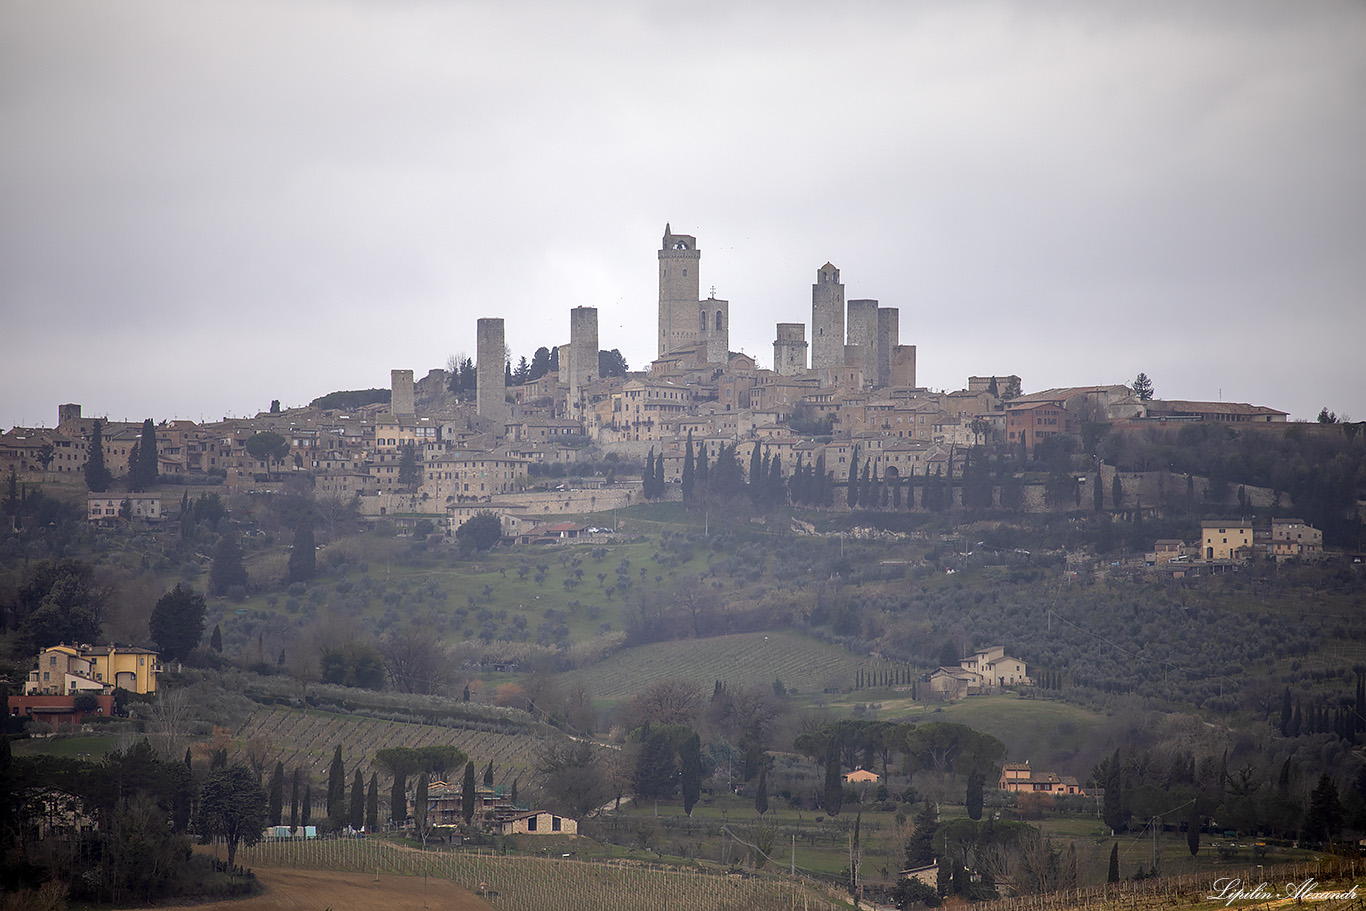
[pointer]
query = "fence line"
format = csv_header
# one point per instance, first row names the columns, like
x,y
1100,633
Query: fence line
x,y
536,883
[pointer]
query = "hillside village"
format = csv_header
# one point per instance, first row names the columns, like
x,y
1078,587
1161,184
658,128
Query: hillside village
x,y
485,437
830,605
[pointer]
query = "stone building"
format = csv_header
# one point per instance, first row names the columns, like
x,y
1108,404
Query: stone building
x,y
490,366
679,294
827,319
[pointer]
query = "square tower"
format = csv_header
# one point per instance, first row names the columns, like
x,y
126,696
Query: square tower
x,y
888,339
827,319
789,350
583,356
713,326
679,293
490,372
861,350
401,393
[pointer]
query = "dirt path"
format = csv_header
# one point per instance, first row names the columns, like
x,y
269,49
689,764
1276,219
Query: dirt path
x,y
320,890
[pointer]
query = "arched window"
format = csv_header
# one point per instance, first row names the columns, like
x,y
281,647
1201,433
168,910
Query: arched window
x,y
719,322
703,321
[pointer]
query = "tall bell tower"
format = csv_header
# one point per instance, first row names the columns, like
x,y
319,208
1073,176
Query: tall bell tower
x,y
679,293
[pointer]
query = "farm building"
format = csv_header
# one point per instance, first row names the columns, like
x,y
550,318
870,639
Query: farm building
x,y
538,822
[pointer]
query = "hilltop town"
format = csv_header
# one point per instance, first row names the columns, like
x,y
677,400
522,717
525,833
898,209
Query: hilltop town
x,y
810,622
484,435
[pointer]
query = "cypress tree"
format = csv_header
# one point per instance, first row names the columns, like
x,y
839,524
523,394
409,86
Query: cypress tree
x,y
648,482
834,784
689,468
372,804
398,798
275,808
852,493
303,556
761,793
420,807
143,470
306,812
690,771
1114,864
976,779
97,476
467,793
488,775
294,801
1193,831
756,470
356,816
336,788
216,640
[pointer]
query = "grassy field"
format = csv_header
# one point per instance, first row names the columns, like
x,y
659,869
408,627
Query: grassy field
x,y
803,665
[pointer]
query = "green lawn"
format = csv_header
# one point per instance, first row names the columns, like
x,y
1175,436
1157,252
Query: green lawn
x,y
803,665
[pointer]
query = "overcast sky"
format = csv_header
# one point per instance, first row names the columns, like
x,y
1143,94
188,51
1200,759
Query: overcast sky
x,y
208,205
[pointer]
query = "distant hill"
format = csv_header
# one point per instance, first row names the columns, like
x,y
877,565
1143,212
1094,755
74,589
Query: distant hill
x,y
355,398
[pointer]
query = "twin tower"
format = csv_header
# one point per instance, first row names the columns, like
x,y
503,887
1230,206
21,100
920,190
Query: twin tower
x,y
687,322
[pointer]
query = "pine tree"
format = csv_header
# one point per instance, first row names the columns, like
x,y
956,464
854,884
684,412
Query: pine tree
x,y
920,846
227,569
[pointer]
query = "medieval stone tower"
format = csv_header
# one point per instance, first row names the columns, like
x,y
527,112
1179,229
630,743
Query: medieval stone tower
x,y
861,348
490,366
888,332
583,356
713,326
679,296
827,319
789,349
401,393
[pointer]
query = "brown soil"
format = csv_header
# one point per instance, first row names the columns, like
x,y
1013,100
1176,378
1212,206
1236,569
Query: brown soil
x,y
319,890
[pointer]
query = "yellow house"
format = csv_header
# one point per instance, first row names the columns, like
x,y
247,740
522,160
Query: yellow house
x,y
1225,540
131,668
861,776
66,669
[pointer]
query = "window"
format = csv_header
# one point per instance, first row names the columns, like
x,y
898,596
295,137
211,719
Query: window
x,y
531,823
